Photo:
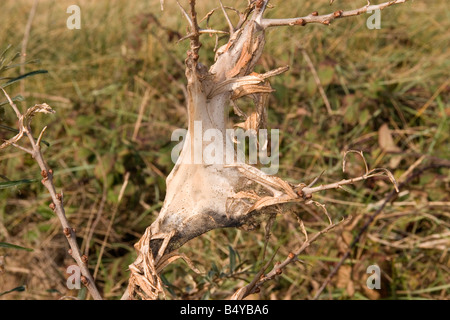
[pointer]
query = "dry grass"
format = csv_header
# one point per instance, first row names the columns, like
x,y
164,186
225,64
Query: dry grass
x,y
97,80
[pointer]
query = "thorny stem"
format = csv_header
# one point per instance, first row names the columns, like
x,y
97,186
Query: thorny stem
x,y
336,185
195,40
57,200
253,286
327,18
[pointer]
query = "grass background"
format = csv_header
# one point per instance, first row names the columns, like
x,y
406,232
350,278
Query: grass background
x,y
97,78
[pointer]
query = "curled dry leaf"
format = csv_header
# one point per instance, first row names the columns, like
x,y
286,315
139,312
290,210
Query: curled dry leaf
x,y
251,123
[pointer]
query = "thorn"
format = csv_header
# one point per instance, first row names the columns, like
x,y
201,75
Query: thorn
x,y
315,179
230,24
186,15
201,31
38,143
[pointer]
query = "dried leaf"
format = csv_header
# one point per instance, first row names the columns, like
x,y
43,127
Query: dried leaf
x,y
395,161
252,122
250,89
344,276
385,139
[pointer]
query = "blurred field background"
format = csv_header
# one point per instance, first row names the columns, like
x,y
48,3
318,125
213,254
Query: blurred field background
x,y
117,88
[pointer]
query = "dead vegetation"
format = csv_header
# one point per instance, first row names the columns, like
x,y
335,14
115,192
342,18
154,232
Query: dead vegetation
x,y
400,224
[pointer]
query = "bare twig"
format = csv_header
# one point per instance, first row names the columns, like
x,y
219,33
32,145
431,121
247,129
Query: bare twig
x,y
195,42
282,192
315,179
391,196
186,15
230,24
211,12
12,104
57,198
368,174
327,18
278,267
202,31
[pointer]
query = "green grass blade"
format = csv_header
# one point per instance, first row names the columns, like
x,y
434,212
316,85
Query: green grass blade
x,y
23,76
11,184
18,289
13,246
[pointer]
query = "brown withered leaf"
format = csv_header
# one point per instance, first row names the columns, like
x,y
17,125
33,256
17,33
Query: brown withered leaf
x,y
344,280
251,123
385,140
250,89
